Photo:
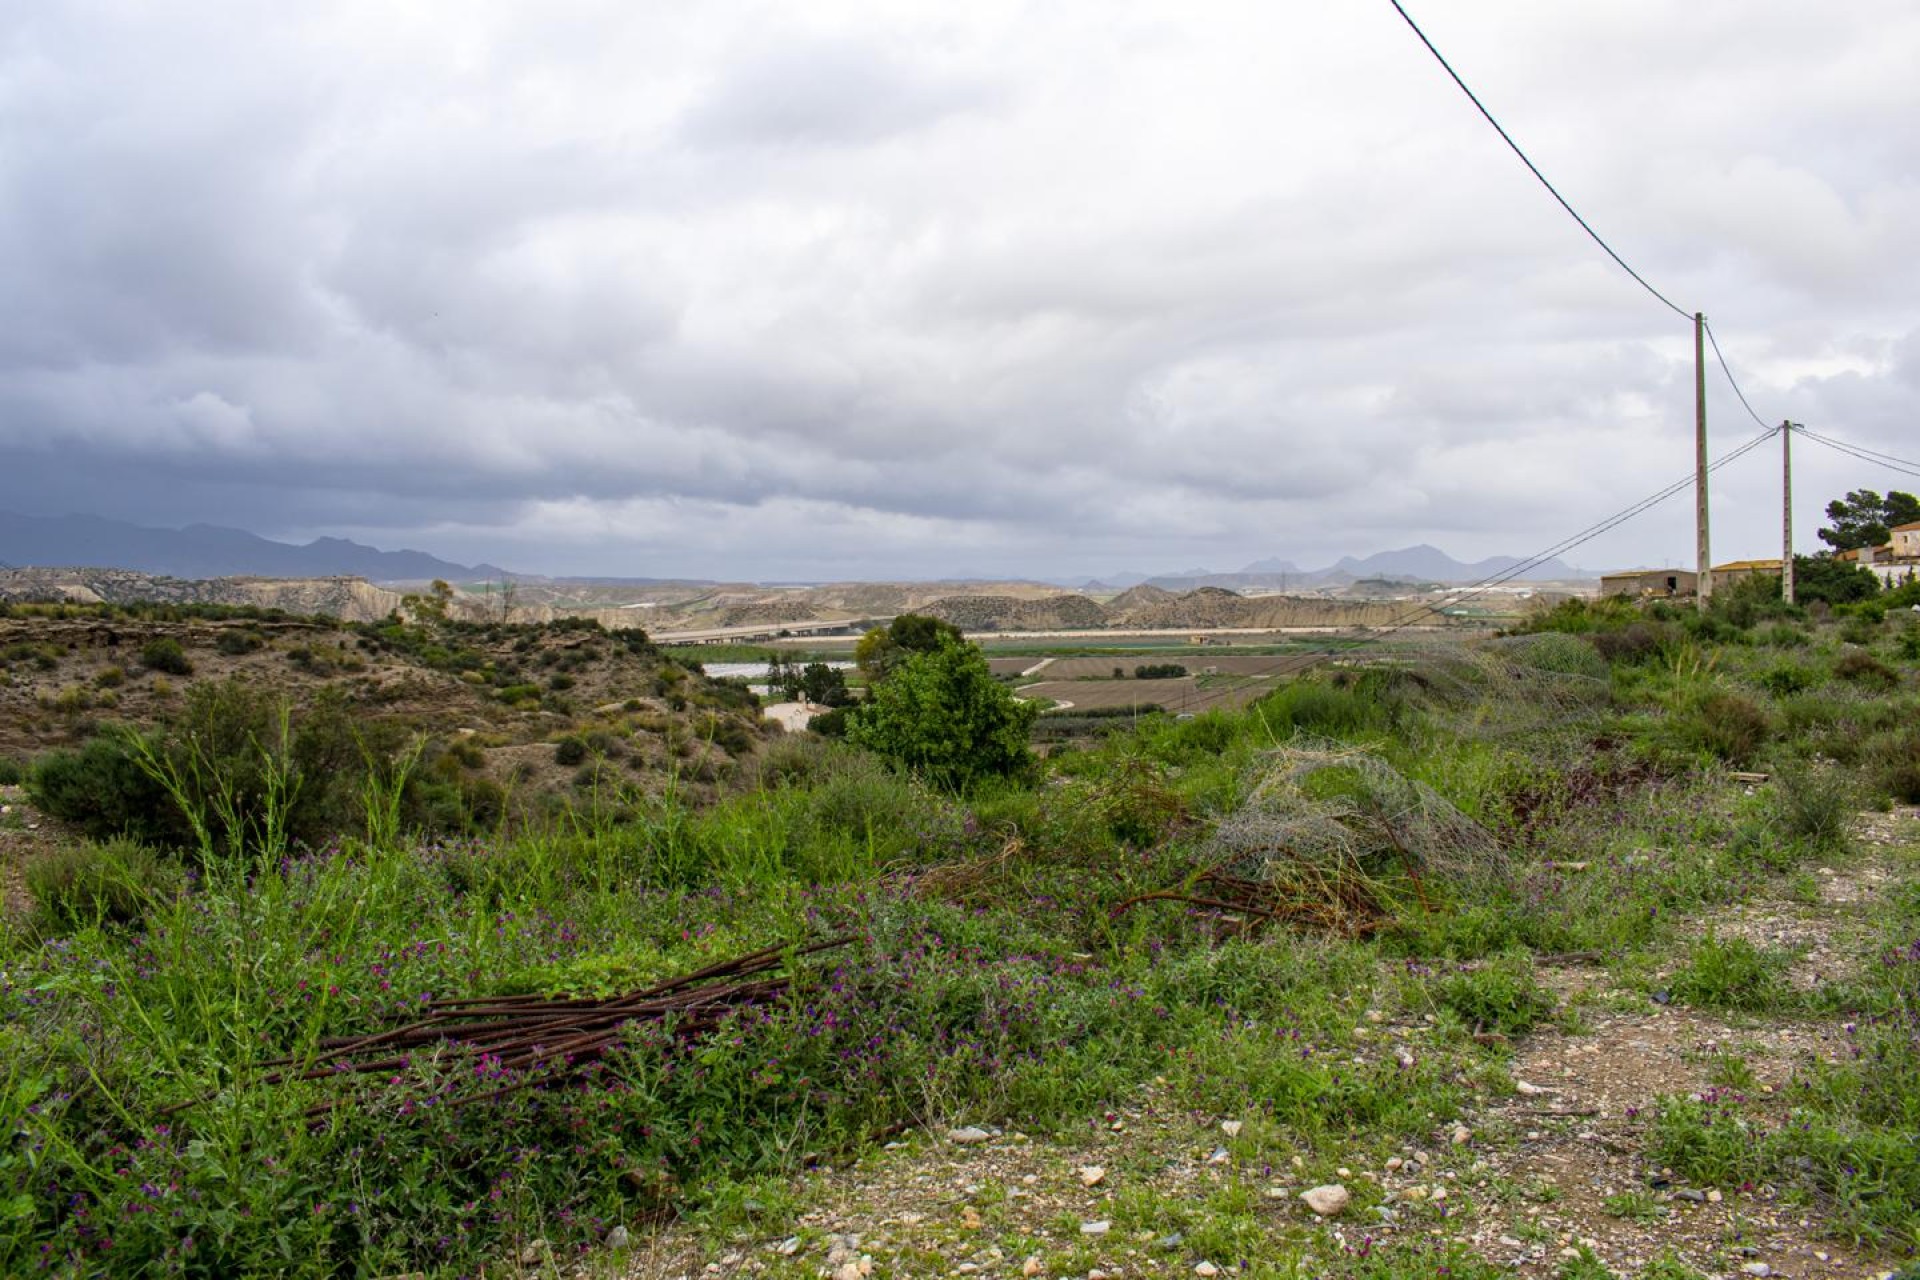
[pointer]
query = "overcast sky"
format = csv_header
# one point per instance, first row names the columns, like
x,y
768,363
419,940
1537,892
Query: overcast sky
x,y
848,290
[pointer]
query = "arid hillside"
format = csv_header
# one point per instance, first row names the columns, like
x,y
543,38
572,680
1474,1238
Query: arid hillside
x,y
503,700
679,607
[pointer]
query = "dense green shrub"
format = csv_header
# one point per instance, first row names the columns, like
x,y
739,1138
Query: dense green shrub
x,y
103,790
1637,642
1340,707
1787,679
74,887
1722,724
234,642
163,653
1158,671
1863,668
1782,635
1894,768
941,714
570,751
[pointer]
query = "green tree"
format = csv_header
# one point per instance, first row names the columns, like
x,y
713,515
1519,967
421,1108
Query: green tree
x,y
1822,577
824,684
883,648
942,714
1863,518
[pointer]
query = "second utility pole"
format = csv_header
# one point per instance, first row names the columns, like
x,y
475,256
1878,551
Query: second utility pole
x,y
1704,587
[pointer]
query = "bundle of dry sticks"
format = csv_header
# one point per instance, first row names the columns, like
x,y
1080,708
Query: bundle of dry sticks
x,y
528,1040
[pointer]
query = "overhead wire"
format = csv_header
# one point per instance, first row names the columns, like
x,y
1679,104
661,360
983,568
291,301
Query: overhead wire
x,y
1731,380
1535,169
1573,213
1413,615
1891,463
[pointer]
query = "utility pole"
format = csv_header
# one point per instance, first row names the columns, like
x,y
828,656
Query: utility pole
x,y
1786,512
1704,588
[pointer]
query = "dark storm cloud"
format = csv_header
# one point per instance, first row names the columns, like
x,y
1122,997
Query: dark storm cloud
x,y
749,289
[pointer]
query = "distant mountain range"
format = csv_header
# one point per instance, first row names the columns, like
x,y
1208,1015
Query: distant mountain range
x,y
208,551
1421,563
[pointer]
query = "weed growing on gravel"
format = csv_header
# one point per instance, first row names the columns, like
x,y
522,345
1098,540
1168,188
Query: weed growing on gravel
x,y
1732,974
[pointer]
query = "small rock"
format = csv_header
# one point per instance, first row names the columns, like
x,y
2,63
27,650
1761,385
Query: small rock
x,y
970,1136
1099,1228
1092,1175
619,1238
1462,1135
970,1219
1328,1200
1394,1163
533,1254
1691,1193
847,1271
1531,1090
788,1247
1219,1156
1755,1269
1511,1243
1206,1269
1169,1242
1714,1196
1230,1127
1032,1266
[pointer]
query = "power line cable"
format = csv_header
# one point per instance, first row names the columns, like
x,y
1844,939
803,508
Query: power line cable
x,y
1865,455
1731,380
1585,226
1535,169
1474,590
1856,448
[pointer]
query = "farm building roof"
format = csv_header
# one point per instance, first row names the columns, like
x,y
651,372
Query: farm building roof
x,y
1733,565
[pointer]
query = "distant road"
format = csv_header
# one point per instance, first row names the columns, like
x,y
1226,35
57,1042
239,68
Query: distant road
x,y
847,629
768,631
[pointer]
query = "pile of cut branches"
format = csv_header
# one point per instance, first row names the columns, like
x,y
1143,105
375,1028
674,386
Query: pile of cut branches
x,y
520,1041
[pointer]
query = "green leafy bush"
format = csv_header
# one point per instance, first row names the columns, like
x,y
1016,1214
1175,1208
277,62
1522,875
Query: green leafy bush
x,y
163,653
1863,668
1788,679
234,642
102,789
941,713
74,887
